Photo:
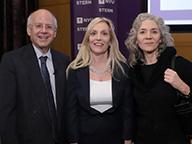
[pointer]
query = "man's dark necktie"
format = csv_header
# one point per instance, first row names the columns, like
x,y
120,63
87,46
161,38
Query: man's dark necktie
x,y
50,99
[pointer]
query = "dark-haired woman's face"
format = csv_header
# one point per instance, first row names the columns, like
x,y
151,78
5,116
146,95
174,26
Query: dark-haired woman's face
x,y
148,36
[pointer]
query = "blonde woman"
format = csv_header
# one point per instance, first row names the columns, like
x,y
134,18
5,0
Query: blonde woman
x,y
99,98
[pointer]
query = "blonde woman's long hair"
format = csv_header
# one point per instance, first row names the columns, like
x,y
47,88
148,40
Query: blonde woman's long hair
x,y
83,57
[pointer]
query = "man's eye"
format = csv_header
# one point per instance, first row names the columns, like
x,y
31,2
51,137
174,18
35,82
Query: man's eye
x,y
49,27
38,26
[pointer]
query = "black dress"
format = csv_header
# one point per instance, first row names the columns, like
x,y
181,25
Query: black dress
x,y
156,120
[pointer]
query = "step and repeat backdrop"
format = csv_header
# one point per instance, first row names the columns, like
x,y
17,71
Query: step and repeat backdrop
x,y
120,12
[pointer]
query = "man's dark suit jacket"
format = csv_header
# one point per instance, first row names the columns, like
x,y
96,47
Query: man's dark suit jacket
x,y
23,108
84,120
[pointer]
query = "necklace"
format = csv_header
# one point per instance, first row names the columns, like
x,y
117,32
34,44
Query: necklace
x,y
99,71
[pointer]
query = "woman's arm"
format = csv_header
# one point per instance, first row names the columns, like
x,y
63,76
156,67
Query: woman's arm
x,y
72,120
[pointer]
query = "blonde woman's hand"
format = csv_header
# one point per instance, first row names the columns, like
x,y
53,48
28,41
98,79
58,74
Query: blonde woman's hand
x,y
171,77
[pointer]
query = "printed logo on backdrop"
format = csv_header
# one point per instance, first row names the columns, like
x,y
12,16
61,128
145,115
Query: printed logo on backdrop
x,y
106,1
83,2
79,20
83,11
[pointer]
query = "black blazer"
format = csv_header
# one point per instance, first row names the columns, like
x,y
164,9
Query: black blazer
x,y
84,120
23,109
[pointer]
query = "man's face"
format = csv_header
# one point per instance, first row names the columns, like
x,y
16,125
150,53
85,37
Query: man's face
x,y
42,29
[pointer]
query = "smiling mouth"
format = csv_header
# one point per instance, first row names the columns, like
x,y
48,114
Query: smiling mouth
x,y
98,44
43,37
151,43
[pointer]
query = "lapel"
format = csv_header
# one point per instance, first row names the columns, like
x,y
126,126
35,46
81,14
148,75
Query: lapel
x,y
115,90
83,78
35,78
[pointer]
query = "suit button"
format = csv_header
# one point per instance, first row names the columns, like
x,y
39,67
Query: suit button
x,y
34,111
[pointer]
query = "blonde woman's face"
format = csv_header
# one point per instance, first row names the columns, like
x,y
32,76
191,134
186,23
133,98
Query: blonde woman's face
x,y
148,36
99,38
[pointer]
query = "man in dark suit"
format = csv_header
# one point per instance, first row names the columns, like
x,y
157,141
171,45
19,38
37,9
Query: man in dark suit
x,y
26,113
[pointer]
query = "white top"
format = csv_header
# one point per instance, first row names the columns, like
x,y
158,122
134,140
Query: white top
x,y
101,95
